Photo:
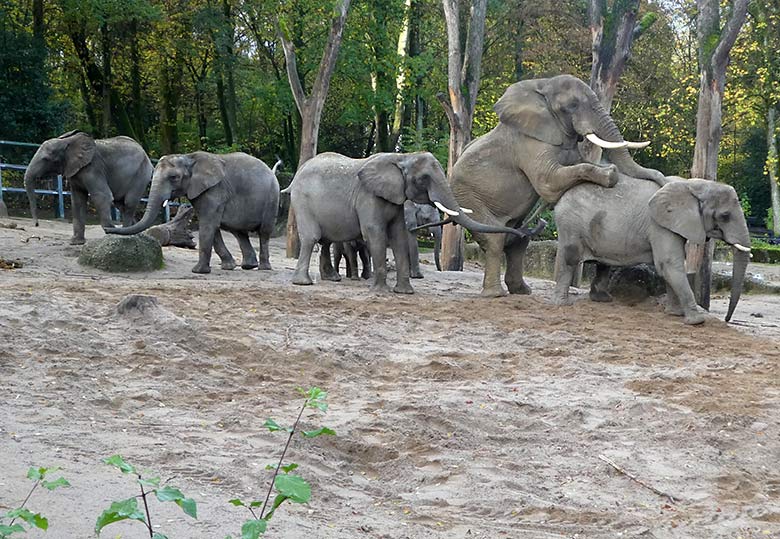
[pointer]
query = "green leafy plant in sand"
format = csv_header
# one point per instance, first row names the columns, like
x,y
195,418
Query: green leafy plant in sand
x,y
128,509
289,487
34,520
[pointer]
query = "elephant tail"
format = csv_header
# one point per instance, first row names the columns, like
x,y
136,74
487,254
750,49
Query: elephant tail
x,y
278,163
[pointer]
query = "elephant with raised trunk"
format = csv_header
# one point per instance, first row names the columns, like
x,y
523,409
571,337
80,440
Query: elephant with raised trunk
x,y
337,198
113,170
636,222
234,192
533,152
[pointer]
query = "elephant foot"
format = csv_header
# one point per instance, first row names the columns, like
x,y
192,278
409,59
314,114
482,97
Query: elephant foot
x,y
366,275
494,292
264,266
561,300
612,175
403,288
302,280
249,266
380,288
417,275
201,268
229,265
77,241
600,296
354,277
335,277
674,310
694,318
522,288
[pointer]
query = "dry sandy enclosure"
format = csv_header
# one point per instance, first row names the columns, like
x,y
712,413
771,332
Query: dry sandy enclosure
x,y
456,416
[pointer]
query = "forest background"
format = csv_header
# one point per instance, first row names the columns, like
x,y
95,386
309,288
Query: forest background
x,y
183,75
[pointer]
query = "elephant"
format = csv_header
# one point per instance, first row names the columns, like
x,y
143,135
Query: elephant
x,y
637,222
533,152
350,251
106,170
234,192
337,198
416,215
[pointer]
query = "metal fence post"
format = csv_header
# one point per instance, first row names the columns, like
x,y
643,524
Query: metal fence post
x,y
60,198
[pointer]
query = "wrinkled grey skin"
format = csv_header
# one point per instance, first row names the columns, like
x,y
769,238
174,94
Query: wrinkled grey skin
x,y
113,170
336,198
637,222
414,216
234,192
350,251
533,152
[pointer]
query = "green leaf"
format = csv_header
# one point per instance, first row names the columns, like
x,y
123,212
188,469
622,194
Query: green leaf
x,y
255,504
316,398
189,507
294,487
153,482
36,473
51,485
124,510
169,494
158,535
273,426
318,432
8,530
270,466
279,500
33,519
120,463
290,467
237,502
252,529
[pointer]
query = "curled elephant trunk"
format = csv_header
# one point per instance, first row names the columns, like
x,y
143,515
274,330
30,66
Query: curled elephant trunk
x,y
741,257
157,197
29,185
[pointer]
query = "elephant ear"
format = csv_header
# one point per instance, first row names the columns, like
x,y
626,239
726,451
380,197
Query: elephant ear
x,y
382,175
675,207
207,171
524,106
79,153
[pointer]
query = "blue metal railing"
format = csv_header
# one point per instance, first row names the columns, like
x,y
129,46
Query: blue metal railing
x,y
60,192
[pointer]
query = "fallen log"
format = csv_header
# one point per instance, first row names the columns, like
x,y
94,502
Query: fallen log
x,y
177,231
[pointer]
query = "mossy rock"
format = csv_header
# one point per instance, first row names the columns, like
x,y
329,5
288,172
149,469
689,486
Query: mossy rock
x,y
123,253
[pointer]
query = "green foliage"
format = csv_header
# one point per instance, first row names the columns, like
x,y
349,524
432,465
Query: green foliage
x,y
128,509
34,520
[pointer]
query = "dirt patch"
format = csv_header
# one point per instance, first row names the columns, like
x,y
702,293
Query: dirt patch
x,y
457,417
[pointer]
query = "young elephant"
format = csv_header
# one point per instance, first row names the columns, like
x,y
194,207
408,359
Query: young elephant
x,y
638,222
417,215
234,192
113,170
336,198
350,251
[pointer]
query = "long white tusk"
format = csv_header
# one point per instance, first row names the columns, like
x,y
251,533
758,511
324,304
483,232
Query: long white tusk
x,y
742,248
445,209
605,143
466,210
637,145
165,203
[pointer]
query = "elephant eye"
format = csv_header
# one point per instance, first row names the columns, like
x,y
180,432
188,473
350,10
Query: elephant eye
x,y
725,217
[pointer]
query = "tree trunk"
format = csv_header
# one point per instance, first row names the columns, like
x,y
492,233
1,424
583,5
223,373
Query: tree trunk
x,y
38,22
463,73
105,42
223,108
772,167
714,48
135,77
311,106
170,77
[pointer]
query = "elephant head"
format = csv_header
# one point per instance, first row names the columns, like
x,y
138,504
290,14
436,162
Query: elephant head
x,y
66,155
420,178
701,209
563,110
187,175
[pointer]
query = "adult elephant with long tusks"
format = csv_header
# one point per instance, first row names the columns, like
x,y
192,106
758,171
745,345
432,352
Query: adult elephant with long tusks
x,y
113,170
533,152
636,222
234,192
337,198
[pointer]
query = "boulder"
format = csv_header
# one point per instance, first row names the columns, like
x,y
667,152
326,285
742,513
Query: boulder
x,y
633,284
122,253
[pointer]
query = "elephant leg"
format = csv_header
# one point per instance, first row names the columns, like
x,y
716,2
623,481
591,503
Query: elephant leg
x,y
79,207
399,241
128,213
208,229
327,273
365,260
103,199
338,254
248,256
673,306
567,259
515,253
263,252
600,284
350,255
414,256
563,177
493,245
228,263
673,271
377,243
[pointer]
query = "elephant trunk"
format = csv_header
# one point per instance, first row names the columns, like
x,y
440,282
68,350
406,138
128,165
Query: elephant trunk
x,y
620,157
29,185
437,247
737,279
157,196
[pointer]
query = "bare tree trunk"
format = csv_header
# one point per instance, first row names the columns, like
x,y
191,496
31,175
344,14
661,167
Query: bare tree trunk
x,y
311,106
714,48
771,165
463,73
135,76
105,42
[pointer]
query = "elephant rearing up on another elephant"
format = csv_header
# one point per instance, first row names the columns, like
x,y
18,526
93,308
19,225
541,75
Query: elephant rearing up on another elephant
x,y
533,152
336,198
106,170
234,192
636,222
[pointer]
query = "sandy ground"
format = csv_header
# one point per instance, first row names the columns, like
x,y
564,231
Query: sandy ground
x,y
457,417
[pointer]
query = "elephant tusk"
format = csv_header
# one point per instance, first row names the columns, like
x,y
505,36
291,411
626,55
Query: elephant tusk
x,y
605,143
742,248
466,210
637,145
445,209
165,203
